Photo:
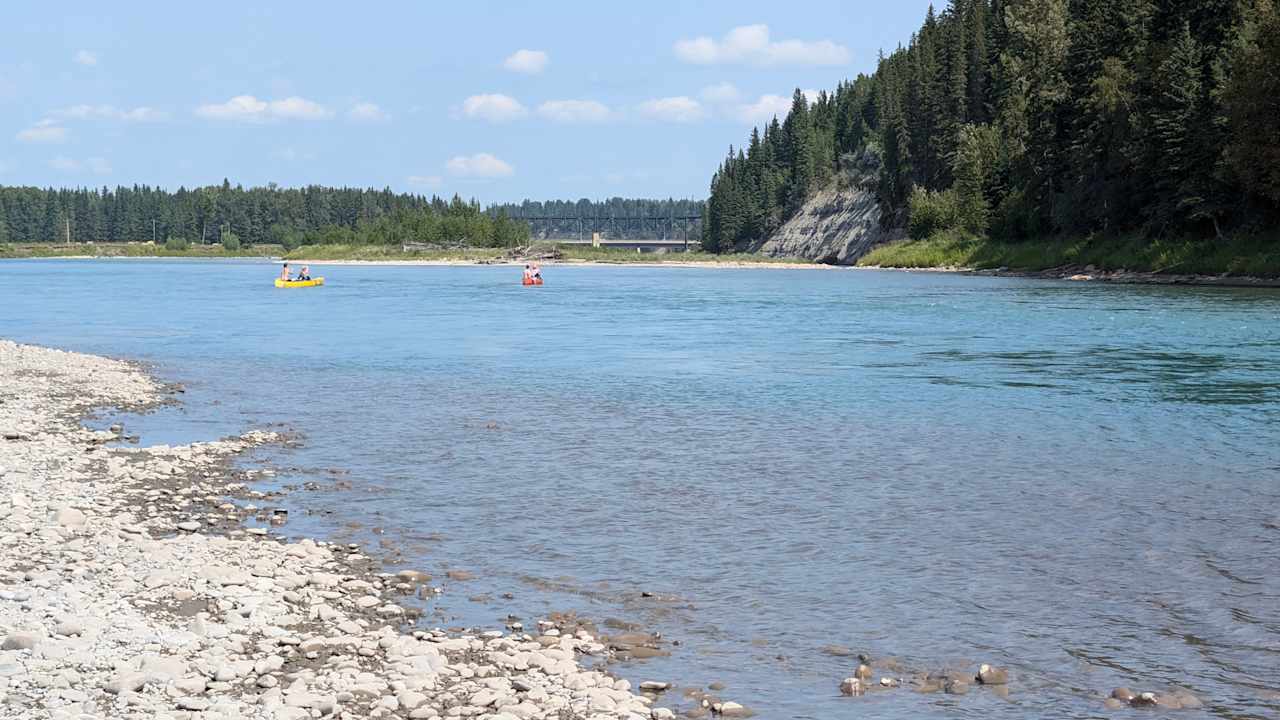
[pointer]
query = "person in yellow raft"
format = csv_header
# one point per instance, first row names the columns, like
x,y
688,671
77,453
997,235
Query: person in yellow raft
x,y
304,274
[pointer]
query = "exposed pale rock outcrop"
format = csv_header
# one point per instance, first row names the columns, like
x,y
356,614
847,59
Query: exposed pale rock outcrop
x,y
838,224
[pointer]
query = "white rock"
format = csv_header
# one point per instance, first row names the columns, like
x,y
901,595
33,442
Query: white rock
x,y
131,682
70,517
193,703
69,627
20,641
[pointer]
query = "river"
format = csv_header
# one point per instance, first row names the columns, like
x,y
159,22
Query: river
x,y
1078,481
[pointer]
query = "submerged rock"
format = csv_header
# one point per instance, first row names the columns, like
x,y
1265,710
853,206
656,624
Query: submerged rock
x,y
852,687
655,686
1123,694
988,675
731,710
1143,699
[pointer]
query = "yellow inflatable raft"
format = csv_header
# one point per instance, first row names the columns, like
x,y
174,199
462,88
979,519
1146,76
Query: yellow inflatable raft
x,y
313,282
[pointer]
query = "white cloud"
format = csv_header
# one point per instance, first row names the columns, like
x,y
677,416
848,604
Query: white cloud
x,y
86,58
494,108
720,93
764,109
674,109
247,108
480,165
811,95
574,111
138,114
751,45
95,165
426,181
296,107
529,62
144,114
240,107
367,112
45,131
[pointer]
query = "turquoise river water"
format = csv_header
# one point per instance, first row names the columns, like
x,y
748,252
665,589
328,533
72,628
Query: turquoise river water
x,y
1078,481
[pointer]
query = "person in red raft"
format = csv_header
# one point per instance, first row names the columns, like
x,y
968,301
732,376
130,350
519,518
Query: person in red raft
x,y
532,275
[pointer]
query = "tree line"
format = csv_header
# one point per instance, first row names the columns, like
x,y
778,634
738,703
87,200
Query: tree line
x,y
1021,119
142,212
617,218
310,215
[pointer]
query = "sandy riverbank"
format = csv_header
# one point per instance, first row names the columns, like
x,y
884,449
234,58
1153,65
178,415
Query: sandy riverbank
x,y
132,587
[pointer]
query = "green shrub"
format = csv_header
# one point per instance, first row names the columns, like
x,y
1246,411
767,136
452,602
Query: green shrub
x,y
230,241
176,244
285,236
931,211
978,156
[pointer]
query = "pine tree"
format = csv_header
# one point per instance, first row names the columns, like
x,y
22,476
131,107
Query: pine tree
x,y
799,143
1251,100
1184,139
978,68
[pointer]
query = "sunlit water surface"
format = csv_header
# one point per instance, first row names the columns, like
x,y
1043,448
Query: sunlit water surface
x,y
1077,481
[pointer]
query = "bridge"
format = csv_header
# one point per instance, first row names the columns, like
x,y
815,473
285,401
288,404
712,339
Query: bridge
x,y
675,233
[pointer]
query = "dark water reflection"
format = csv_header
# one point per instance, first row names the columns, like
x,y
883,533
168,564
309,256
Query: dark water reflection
x,y
1077,481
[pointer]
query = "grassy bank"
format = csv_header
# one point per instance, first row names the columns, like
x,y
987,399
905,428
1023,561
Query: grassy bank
x,y
385,253
566,253
1246,256
107,250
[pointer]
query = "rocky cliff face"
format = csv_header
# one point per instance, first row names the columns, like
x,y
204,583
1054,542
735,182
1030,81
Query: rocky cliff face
x,y
837,225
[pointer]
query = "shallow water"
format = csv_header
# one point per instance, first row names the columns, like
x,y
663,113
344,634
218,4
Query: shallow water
x,y
1078,481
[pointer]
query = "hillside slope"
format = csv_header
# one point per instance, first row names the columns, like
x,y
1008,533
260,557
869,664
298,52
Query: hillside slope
x,y
837,225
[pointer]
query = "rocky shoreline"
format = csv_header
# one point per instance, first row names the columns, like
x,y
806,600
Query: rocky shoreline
x,y
131,587
143,582
1089,273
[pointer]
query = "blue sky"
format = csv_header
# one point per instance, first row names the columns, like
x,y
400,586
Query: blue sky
x,y
496,100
